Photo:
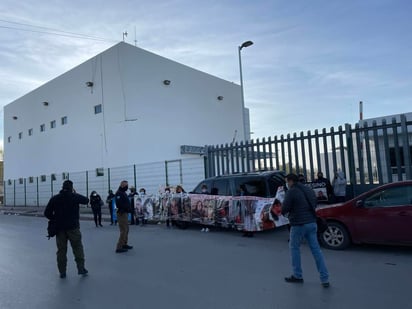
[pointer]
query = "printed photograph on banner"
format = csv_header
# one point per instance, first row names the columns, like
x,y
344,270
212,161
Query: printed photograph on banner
x,y
165,206
222,211
249,208
320,189
186,208
260,207
148,208
210,206
175,207
138,206
198,207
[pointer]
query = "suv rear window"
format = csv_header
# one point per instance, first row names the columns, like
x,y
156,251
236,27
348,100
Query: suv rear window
x,y
221,187
251,186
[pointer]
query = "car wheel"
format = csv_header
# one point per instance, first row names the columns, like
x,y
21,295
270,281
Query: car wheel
x,y
336,237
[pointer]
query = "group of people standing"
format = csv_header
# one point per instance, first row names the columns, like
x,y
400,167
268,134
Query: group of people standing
x,y
335,192
63,210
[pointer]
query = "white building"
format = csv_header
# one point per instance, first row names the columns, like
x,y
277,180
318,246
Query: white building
x,y
125,106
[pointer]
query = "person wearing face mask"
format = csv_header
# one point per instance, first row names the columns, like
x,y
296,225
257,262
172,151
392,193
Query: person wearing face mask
x,y
123,209
96,204
204,189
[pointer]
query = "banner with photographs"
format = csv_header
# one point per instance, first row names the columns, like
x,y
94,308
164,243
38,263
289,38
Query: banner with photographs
x,y
241,212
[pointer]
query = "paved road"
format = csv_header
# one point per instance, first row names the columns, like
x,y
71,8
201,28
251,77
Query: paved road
x,y
189,269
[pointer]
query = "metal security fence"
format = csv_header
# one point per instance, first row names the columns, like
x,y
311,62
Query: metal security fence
x,y
36,191
369,154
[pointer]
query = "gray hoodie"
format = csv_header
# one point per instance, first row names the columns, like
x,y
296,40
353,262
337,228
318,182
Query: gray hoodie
x,y
339,184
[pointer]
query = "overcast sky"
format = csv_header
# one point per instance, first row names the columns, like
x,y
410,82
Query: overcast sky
x,y
310,65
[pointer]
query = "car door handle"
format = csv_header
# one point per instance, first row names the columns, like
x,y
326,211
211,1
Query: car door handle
x,y
403,213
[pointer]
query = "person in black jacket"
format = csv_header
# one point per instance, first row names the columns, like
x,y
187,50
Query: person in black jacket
x,y
299,204
96,204
109,201
123,209
63,209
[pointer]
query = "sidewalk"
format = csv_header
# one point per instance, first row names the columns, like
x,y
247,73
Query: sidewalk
x,y
33,211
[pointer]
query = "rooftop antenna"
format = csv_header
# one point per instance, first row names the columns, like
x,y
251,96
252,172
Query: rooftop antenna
x,y
135,39
124,35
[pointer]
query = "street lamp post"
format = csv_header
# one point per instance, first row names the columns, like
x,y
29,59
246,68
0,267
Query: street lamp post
x,y
244,44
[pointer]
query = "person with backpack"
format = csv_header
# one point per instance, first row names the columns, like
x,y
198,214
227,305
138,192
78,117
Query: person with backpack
x,y
299,205
96,204
63,210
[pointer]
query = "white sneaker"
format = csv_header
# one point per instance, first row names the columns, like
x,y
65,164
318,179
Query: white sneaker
x,y
206,230
203,230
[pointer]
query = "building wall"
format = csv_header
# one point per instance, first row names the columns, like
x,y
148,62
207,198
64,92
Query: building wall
x,y
142,121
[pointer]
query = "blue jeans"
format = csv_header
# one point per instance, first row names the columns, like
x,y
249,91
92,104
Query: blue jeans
x,y
309,232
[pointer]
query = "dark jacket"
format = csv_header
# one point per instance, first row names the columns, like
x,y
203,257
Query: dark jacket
x,y
122,201
300,210
95,202
109,199
63,208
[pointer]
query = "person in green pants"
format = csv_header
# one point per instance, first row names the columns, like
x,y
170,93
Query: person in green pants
x,y
63,209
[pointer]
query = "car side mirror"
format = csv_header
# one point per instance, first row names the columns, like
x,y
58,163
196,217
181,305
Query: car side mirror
x,y
359,204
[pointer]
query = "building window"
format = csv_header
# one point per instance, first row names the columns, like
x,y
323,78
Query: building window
x,y
21,181
65,176
30,132
43,178
53,177
20,135
64,120
42,128
9,182
53,124
31,179
99,172
9,139
98,109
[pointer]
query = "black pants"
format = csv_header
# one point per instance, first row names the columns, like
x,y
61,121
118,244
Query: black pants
x,y
111,212
132,220
97,215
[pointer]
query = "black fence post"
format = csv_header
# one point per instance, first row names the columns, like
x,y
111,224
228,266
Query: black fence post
x,y
379,160
406,148
351,158
397,149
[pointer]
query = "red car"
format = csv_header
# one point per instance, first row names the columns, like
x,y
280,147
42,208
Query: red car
x,y
380,216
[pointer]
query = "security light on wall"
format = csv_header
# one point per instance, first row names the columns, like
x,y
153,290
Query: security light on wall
x,y
166,82
220,98
89,84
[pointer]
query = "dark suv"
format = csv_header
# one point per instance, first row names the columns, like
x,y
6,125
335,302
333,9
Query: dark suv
x,y
260,184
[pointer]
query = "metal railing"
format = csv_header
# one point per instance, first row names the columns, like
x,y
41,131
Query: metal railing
x,y
368,154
